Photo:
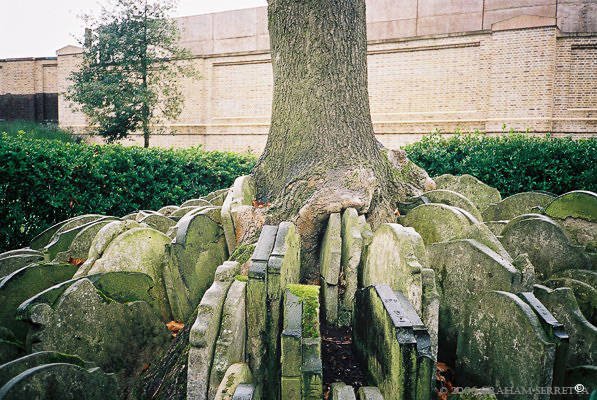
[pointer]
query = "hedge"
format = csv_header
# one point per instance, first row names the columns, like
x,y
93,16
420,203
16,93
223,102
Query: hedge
x,y
513,162
46,181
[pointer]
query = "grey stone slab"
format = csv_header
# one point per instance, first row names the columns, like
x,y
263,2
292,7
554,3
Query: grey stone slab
x,y
472,188
242,193
517,204
80,245
244,391
451,198
369,393
23,251
12,263
265,244
67,382
230,345
330,302
202,338
291,353
352,250
500,323
586,295
331,250
196,203
342,391
236,375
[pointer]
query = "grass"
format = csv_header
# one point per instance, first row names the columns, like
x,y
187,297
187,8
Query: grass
x,y
35,130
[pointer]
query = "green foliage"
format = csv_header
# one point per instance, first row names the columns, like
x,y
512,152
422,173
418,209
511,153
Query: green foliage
x,y
44,182
33,130
126,81
512,163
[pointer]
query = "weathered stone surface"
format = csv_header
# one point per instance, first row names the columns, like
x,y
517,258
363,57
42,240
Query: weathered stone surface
x,y
80,245
41,240
436,222
291,352
242,193
102,240
11,263
580,204
283,268
329,298
202,339
583,275
138,250
504,345
156,221
227,271
342,391
63,238
10,347
463,269
430,307
192,258
23,251
394,350
24,283
217,198
369,393
470,187
452,198
235,375
496,226
517,204
196,203
586,295
20,365
245,391
230,345
166,211
546,244
182,211
331,250
394,257
121,286
352,249
527,271
257,310
61,381
85,322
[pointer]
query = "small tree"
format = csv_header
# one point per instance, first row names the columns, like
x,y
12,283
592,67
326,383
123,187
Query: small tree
x,y
131,66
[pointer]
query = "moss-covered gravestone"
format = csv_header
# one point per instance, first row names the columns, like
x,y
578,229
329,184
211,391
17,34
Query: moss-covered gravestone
x,y
442,196
80,245
156,221
586,295
503,344
545,242
83,321
42,239
470,187
517,204
393,344
465,268
61,381
24,283
301,344
241,194
236,374
13,262
330,260
192,258
204,334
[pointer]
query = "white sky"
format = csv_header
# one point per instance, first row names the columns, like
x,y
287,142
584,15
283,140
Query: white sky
x,y
37,28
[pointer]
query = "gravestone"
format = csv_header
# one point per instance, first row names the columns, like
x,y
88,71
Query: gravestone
x,y
436,222
444,196
470,187
166,211
517,204
42,239
63,238
156,221
235,375
546,244
586,295
352,248
369,393
463,269
241,194
579,204
61,381
202,339
192,258
502,344
342,391
245,391
80,245
12,263
395,350
230,344
330,260
24,283
118,337
196,203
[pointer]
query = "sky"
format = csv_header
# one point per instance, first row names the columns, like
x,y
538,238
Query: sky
x,y
37,28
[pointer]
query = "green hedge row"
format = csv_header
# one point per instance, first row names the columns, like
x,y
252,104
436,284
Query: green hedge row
x,y
513,162
46,181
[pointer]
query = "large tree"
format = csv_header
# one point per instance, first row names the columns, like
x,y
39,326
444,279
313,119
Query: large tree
x,y
131,67
321,155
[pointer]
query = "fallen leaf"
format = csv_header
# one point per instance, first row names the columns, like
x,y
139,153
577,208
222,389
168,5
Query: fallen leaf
x,y
77,262
175,327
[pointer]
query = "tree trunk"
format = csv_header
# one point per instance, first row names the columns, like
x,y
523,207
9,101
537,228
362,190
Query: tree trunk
x,y
321,155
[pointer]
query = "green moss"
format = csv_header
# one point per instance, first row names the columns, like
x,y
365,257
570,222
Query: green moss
x,y
309,295
242,278
243,253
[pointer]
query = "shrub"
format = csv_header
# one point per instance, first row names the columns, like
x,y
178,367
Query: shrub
x,y
33,130
44,182
512,163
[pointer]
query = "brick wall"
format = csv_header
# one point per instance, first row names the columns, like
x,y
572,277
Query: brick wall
x,y
433,65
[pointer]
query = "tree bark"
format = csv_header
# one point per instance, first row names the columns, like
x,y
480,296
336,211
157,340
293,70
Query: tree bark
x,y
321,155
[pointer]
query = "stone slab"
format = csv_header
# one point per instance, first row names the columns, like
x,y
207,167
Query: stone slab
x,y
331,250
479,193
517,204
